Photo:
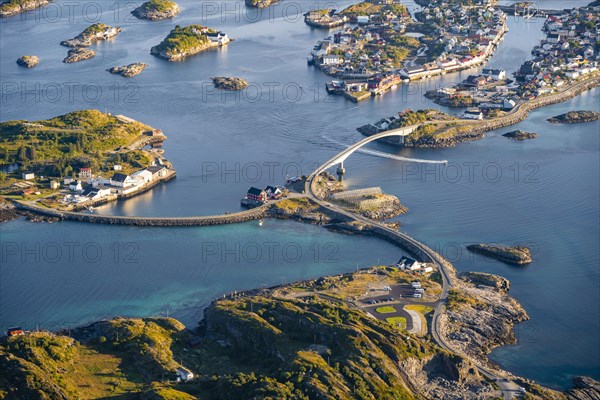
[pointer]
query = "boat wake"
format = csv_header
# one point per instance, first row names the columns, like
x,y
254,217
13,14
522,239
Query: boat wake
x,y
388,155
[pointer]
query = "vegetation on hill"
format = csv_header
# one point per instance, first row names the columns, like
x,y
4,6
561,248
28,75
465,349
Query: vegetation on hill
x,y
61,145
181,40
159,5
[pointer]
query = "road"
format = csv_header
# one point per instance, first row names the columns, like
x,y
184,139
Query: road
x,y
508,388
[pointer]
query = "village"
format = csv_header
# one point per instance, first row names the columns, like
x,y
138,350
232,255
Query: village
x,y
87,189
387,47
566,55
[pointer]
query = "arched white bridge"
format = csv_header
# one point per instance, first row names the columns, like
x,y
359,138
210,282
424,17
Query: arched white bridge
x,y
343,155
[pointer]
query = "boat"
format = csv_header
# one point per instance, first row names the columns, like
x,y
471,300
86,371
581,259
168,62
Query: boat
x,y
261,222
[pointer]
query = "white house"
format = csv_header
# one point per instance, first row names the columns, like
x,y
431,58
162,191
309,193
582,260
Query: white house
x,y
95,193
219,38
142,176
496,74
332,59
408,264
572,74
27,176
158,171
184,374
117,167
122,180
362,19
473,113
75,186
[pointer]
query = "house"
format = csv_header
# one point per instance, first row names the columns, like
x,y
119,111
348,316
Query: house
x,y
257,194
496,74
92,193
184,374
553,38
27,176
273,192
54,185
157,171
219,38
117,167
75,186
17,331
472,113
122,180
332,59
85,173
142,176
408,263
362,19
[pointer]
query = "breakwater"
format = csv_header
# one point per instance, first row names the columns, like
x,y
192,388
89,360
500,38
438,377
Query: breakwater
x,y
242,216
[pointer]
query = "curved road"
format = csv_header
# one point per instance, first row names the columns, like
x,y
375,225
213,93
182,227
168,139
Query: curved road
x,y
507,387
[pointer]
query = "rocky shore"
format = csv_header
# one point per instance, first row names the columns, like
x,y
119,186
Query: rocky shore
x,y
508,254
8,212
28,61
128,71
79,54
575,117
13,7
155,10
92,34
260,3
520,135
229,83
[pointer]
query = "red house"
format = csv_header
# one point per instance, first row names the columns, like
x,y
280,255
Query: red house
x,y
256,194
15,331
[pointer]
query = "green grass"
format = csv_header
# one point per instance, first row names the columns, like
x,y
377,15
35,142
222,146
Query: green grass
x,y
182,39
159,5
419,308
385,310
398,322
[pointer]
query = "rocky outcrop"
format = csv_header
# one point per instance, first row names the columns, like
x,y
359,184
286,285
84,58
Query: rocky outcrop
x,y
155,10
13,7
28,61
584,388
8,211
260,3
575,117
481,278
439,142
128,71
229,83
79,54
390,207
508,254
92,34
520,135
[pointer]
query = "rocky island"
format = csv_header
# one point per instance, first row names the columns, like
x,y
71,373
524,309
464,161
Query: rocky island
x,y
128,71
28,61
188,40
79,54
229,83
260,3
13,7
508,254
575,117
92,34
155,10
520,135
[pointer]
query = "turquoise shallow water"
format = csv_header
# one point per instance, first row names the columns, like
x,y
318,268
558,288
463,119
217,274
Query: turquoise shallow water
x,y
547,194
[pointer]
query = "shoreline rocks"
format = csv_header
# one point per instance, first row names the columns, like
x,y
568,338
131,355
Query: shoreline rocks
x,y
92,34
575,117
14,7
155,10
79,54
260,3
28,61
229,83
509,254
520,135
128,71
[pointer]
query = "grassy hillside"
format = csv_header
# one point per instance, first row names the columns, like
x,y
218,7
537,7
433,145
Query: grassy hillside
x,y
61,145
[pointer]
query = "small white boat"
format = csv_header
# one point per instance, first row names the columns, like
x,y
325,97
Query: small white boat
x,y
261,222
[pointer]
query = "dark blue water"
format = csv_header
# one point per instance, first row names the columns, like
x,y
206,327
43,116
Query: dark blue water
x,y
284,125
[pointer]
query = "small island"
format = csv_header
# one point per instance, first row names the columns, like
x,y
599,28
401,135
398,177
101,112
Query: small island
x,y
260,3
520,135
128,71
229,83
92,34
575,117
508,254
28,61
13,7
188,40
155,10
79,54
325,18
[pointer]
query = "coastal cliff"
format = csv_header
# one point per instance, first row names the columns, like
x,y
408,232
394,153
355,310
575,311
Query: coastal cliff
x,y
13,7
